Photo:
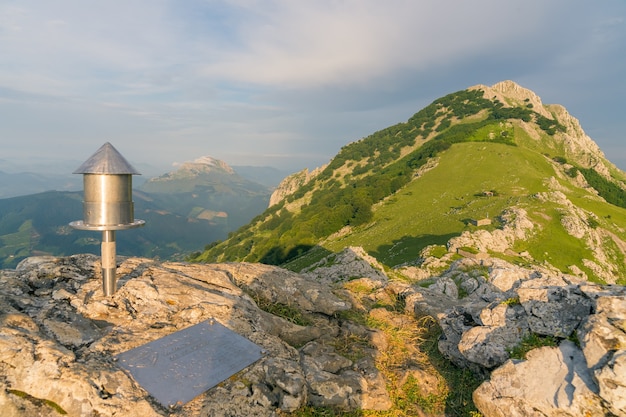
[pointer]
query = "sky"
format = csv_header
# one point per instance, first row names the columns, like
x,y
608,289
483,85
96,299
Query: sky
x,y
286,83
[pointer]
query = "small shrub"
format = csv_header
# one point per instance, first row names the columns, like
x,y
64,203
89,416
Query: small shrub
x,y
572,172
511,301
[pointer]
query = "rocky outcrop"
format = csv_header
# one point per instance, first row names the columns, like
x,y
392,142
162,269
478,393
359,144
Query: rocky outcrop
x,y
291,183
516,226
505,306
59,337
510,93
577,145
353,262
577,222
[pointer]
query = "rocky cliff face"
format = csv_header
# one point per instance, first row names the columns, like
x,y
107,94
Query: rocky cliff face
x,y
291,183
576,143
59,336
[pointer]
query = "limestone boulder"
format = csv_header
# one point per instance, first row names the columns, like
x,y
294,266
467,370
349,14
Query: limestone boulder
x,y
567,380
565,386
503,326
351,263
602,339
279,285
554,307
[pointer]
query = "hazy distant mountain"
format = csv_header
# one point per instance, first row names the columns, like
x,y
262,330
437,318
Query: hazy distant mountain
x,y
40,174
487,169
208,188
24,183
184,210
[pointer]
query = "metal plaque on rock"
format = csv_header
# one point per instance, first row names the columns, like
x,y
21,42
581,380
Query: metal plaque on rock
x,y
176,368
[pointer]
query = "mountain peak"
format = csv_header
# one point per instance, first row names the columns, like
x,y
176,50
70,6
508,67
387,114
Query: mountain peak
x,y
512,94
494,150
205,164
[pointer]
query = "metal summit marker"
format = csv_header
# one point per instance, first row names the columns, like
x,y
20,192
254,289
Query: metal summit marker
x,y
178,367
107,204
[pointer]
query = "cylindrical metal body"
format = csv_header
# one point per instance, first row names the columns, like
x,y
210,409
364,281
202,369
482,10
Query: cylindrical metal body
x,y
109,265
107,205
108,199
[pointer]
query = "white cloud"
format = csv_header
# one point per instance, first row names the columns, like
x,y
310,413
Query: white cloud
x,y
142,45
329,42
277,77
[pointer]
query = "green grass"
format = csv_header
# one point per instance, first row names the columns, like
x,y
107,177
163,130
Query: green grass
x,y
415,342
287,312
441,203
438,205
314,255
530,342
16,245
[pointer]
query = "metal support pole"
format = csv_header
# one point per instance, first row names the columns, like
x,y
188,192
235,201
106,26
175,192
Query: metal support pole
x,y
109,264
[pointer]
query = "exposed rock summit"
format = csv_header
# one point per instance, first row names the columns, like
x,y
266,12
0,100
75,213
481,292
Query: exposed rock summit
x,y
59,336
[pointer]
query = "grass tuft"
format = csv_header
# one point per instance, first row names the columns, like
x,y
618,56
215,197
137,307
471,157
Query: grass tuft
x,y
38,401
285,311
530,342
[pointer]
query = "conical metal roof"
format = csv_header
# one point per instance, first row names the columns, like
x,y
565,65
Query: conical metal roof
x,y
106,160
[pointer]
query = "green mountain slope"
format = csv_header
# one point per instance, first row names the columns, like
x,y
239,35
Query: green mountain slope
x,y
417,188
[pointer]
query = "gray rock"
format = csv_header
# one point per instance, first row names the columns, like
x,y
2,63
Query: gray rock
x,y
566,387
454,324
426,302
324,357
564,381
504,326
342,391
58,335
335,380
288,376
446,286
282,286
600,334
553,309
351,263
602,338
506,278
291,333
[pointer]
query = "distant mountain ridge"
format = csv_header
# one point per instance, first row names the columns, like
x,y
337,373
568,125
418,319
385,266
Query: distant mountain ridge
x,y
23,183
19,178
186,209
407,191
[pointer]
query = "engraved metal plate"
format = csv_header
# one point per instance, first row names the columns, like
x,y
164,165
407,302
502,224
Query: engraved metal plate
x,y
176,368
